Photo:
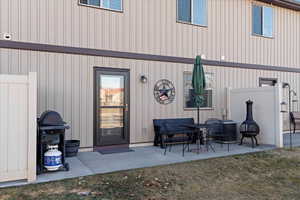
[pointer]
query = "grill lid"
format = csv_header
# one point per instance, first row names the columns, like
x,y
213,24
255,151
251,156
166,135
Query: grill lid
x,y
51,118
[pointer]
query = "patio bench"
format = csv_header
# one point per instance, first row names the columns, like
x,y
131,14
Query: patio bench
x,y
295,119
169,132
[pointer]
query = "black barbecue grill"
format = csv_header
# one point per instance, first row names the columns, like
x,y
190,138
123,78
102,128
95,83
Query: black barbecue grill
x,y
51,131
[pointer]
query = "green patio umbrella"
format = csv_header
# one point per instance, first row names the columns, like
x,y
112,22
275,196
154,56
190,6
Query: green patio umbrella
x,y
198,84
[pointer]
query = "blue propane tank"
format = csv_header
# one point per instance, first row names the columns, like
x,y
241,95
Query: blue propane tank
x,y
52,158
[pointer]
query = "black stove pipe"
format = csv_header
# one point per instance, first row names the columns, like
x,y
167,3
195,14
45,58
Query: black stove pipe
x,y
249,116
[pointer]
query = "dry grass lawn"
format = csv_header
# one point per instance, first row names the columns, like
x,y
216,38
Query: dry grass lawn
x,y
266,175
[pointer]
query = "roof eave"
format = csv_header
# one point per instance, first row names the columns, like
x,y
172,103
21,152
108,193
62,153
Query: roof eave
x,y
290,4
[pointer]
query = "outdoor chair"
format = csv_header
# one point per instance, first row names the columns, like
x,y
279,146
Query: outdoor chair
x,y
222,132
216,132
294,119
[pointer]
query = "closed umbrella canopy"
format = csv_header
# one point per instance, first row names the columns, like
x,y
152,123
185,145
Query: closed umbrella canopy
x,y
198,82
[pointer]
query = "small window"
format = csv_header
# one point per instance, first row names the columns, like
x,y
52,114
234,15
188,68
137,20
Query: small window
x,y
192,11
189,102
267,82
107,4
262,20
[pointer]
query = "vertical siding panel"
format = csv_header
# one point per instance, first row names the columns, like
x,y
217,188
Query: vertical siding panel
x,y
148,113
212,23
76,23
59,83
68,23
4,62
221,29
76,88
60,12
250,42
148,87
84,31
4,16
24,22
83,103
52,79
14,17
133,103
68,100
91,20
52,21
138,27
90,106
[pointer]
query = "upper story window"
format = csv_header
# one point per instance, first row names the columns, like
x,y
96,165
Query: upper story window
x,y
192,11
262,20
107,4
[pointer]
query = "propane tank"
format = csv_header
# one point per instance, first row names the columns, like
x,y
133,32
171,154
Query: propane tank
x,y
52,158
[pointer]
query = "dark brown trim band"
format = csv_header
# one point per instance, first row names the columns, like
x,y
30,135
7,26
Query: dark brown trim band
x,y
289,4
90,52
136,56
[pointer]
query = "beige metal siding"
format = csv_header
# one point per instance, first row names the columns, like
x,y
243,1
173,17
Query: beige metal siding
x,y
65,84
149,26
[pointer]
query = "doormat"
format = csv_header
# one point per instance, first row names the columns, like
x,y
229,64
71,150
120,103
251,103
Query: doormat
x,y
115,150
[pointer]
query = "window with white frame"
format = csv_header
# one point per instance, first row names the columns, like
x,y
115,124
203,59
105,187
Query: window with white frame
x,y
189,97
262,20
192,11
107,4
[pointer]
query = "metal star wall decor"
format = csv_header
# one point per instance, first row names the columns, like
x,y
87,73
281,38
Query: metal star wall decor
x,y
164,91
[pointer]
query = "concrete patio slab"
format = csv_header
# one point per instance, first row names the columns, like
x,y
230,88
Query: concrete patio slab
x,y
295,139
89,163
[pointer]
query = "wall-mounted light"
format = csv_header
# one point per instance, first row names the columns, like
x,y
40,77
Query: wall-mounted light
x,y
6,36
222,57
285,85
283,106
144,79
203,56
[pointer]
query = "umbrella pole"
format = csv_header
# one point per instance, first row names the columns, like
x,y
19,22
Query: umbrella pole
x,y
198,115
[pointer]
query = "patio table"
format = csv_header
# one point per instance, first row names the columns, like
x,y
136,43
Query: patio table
x,y
200,136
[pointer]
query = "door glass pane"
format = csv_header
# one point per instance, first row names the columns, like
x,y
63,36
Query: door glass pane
x,y
112,90
199,12
112,121
268,22
184,10
257,20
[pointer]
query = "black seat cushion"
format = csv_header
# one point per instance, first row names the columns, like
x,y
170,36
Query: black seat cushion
x,y
177,128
